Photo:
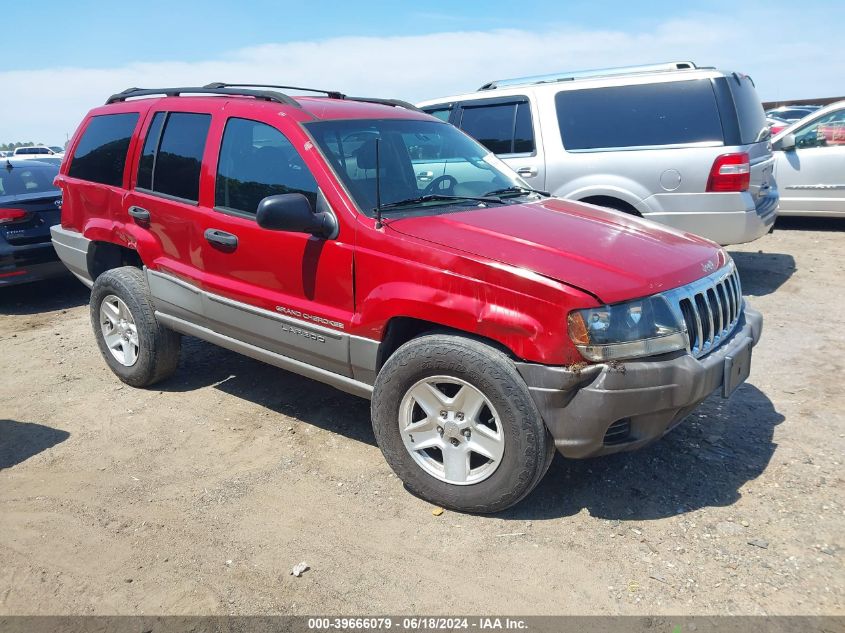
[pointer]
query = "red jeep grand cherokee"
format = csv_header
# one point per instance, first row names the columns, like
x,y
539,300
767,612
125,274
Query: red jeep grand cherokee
x,y
365,244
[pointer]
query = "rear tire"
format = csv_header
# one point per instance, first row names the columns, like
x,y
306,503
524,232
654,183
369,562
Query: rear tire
x,y
483,405
136,347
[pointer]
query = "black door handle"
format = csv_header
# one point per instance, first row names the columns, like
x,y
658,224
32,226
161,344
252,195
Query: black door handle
x,y
221,240
140,215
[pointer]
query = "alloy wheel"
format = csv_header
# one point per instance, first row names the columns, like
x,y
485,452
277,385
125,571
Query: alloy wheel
x,y
452,430
119,330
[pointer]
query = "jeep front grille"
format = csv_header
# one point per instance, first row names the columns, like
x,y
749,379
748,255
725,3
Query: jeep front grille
x,y
710,307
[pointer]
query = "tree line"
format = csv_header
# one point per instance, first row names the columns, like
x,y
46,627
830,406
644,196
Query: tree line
x,y
11,146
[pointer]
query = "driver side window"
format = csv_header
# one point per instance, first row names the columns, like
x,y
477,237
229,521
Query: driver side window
x,y
827,131
256,161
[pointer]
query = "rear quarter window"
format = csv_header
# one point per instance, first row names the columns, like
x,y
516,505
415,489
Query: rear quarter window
x,y
100,155
749,110
644,115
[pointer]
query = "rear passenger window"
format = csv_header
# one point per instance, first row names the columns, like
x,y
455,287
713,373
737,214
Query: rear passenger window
x,y
100,155
174,167
502,128
669,113
257,161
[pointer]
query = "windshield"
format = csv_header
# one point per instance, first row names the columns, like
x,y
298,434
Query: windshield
x,y
422,164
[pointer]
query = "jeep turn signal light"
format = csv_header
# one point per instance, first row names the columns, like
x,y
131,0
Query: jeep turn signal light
x,y
578,329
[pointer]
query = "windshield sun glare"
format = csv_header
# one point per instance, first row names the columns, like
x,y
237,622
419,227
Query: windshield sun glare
x,y
422,164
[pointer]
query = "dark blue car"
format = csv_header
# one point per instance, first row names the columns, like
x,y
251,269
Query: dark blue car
x,y
29,205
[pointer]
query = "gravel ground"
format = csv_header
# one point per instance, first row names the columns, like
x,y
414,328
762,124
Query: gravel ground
x,y
198,497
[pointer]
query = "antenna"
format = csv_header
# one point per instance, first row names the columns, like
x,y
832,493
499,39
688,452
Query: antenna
x,y
378,183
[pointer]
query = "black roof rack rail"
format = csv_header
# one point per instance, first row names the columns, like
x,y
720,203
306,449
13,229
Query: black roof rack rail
x,y
265,95
333,94
246,90
396,103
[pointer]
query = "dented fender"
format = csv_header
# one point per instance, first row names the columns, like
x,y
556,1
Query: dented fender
x,y
523,311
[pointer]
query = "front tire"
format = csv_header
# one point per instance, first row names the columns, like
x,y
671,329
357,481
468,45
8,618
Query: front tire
x,y
136,347
457,424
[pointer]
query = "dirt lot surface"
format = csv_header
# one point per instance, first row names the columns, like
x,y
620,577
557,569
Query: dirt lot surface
x,y
198,497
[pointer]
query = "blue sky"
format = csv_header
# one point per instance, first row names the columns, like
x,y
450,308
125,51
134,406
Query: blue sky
x,y
96,32
412,50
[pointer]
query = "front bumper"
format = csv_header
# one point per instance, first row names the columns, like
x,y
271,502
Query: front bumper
x,y
642,399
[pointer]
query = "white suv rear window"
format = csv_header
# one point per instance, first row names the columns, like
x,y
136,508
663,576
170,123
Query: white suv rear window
x,y
671,113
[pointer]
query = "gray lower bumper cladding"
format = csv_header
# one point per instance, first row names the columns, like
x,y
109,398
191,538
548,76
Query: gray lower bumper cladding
x,y
608,408
72,249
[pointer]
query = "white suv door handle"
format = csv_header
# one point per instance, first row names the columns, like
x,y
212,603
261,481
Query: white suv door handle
x,y
425,175
527,171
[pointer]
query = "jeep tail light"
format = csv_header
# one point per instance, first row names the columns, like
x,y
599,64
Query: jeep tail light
x,y
12,215
730,172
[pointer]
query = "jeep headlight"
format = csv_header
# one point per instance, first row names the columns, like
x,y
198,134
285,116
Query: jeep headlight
x,y
644,327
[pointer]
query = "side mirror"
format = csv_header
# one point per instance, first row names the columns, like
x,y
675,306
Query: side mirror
x,y
786,143
292,212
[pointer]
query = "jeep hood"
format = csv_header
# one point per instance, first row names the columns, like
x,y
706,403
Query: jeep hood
x,y
611,255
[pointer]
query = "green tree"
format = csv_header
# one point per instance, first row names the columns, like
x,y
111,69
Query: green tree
x,y
14,145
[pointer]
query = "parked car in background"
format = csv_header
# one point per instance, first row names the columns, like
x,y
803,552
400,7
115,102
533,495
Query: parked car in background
x,y
675,143
29,205
35,152
489,324
790,114
775,124
810,163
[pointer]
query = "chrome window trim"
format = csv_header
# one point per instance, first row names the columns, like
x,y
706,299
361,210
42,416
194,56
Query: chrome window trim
x,y
640,148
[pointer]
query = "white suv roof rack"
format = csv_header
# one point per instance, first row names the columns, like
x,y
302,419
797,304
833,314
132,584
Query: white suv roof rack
x,y
583,74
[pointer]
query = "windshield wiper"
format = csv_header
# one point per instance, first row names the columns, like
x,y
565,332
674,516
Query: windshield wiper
x,y
517,190
439,196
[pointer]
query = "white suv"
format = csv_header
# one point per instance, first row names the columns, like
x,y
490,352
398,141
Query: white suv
x,y
36,152
679,144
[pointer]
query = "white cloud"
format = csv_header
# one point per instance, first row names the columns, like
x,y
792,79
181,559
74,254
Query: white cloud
x,y
794,62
